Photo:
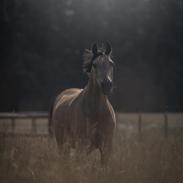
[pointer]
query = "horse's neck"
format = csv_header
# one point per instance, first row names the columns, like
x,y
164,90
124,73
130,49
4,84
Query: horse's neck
x,y
94,99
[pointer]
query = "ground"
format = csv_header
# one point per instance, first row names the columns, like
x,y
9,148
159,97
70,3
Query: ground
x,y
149,159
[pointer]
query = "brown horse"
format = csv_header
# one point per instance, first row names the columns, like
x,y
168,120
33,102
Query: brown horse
x,y
85,117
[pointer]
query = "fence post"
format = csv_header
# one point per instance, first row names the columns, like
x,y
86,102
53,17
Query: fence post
x,y
166,124
140,125
34,127
13,125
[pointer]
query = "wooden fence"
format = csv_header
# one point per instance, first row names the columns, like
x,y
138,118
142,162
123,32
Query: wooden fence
x,y
36,123
33,123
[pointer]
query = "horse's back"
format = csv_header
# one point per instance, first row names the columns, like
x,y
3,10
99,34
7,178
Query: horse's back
x,y
65,99
66,96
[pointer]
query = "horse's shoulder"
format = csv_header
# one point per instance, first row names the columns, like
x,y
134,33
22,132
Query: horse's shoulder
x,y
111,111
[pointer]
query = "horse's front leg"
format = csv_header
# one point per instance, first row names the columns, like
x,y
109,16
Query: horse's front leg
x,y
105,152
64,145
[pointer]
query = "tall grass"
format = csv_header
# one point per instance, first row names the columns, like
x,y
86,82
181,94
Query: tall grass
x,y
149,160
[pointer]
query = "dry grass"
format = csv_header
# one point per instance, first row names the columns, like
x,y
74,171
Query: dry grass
x,y
153,159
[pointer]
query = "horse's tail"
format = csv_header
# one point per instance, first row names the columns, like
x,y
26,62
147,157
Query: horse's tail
x,y
50,122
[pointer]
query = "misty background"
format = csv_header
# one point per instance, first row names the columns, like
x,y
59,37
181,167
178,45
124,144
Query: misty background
x,y
42,41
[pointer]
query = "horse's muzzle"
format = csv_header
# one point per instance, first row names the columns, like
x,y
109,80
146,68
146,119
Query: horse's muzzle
x,y
106,86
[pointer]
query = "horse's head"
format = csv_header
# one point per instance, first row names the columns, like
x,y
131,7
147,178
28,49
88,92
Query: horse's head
x,y
100,65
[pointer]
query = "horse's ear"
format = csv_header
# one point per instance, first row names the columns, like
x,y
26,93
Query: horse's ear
x,y
108,50
94,49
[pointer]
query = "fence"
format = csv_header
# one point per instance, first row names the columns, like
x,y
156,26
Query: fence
x,y
35,123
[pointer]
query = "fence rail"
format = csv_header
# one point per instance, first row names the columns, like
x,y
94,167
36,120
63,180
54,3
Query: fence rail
x,y
7,115
36,123
27,123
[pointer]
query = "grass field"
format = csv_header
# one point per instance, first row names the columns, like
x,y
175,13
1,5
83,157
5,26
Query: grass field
x,y
151,159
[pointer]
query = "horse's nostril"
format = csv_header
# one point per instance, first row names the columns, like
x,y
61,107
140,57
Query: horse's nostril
x,y
106,83
109,82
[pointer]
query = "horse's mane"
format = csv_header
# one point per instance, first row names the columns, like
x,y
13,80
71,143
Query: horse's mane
x,y
88,56
87,60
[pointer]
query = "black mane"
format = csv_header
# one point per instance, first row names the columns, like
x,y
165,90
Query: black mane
x,y
88,58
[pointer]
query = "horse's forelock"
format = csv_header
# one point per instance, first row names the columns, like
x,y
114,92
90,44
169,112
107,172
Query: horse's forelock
x,y
88,56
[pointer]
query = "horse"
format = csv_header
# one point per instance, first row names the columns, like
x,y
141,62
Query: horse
x,y
85,117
